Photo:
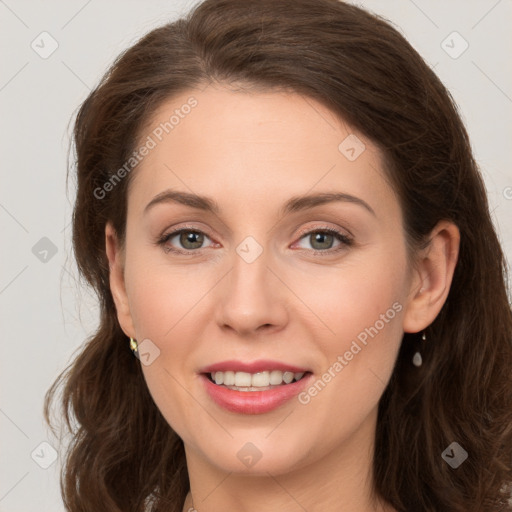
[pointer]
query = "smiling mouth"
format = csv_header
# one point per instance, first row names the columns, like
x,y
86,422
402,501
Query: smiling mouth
x,y
261,381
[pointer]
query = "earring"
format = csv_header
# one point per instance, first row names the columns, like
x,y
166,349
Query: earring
x,y
417,359
133,346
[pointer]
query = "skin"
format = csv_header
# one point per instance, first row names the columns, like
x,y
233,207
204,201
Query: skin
x,y
251,152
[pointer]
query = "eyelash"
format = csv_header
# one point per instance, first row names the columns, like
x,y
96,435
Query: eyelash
x,y
345,240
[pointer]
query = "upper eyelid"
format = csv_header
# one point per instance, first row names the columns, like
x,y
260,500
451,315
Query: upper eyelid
x,y
340,231
301,232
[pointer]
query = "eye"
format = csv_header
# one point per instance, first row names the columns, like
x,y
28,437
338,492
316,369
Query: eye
x,y
189,240
322,239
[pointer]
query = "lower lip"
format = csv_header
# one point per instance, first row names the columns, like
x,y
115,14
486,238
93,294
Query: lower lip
x,y
254,402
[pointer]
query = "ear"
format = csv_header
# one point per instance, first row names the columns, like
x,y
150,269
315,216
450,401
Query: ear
x,y
115,255
432,277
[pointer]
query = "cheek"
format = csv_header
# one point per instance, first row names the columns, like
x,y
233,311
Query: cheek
x,y
346,301
168,307
358,327
164,297
165,308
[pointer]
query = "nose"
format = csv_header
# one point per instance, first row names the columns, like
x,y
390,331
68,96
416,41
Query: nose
x,y
252,298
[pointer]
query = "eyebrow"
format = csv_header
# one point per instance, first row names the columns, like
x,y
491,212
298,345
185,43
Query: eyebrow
x,y
294,204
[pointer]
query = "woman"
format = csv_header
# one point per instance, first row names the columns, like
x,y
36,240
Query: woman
x,y
279,210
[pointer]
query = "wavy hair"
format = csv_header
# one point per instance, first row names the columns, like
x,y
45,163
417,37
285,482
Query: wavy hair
x,y
123,455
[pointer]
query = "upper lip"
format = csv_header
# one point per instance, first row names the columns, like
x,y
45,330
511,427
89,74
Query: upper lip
x,y
260,365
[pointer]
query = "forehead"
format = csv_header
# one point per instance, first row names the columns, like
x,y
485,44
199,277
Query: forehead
x,y
257,147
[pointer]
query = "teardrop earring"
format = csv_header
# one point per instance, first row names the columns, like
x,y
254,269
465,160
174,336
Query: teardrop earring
x,y
417,360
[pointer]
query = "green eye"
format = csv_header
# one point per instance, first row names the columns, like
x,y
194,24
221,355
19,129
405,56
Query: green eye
x,y
323,239
188,239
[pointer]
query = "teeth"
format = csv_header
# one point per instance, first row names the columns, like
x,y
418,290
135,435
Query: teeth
x,y
288,377
276,378
242,379
254,380
229,378
260,379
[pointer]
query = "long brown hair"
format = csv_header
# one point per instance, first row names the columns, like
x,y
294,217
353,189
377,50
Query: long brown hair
x,y
124,456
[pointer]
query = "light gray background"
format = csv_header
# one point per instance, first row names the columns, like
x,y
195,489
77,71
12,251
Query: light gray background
x,y
45,317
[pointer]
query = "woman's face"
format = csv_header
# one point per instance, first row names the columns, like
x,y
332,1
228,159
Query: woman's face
x,y
257,285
